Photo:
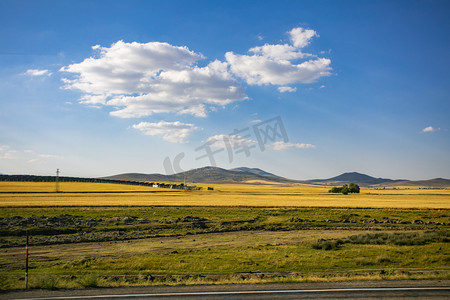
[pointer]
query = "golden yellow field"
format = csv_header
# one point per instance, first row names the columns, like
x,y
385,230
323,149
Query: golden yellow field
x,y
14,194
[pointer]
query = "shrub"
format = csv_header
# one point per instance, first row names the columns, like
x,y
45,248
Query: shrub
x,y
88,281
400,238
383,259
45,281
397,238
332,244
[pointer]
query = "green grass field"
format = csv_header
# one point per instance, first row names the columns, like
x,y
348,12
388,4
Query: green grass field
x,y
114,235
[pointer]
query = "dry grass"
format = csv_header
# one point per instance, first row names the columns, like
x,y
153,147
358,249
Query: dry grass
x,y
140,247
48,187
14,194
225,258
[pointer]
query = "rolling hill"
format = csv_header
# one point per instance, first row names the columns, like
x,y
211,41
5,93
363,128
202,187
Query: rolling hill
x,y
431,183
205,175
355,177
257,172
244,174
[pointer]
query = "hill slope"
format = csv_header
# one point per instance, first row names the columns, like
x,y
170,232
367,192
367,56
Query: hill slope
x,y
257,172
431,183
358,178
243,174
205,174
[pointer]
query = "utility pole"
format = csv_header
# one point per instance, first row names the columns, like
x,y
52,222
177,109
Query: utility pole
x,y
26,263
57,181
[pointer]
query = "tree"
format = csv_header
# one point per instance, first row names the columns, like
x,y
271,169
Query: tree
x,y
345,189
353,188
335,190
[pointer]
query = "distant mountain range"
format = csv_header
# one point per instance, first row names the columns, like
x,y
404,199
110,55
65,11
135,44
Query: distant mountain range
x,y
243,175
369,181
239,175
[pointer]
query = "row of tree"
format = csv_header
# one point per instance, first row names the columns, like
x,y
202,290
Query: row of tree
x,y
36,178
345,189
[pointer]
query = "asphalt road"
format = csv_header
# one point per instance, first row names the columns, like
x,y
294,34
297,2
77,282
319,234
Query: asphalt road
x,y
338,290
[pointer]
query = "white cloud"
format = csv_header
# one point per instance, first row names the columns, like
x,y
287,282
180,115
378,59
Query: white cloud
x,y
37,72
49,156
7,153
301,37
284,89
260,70
279,52
278,64
229,141
286,145
40,158
429,129
141,79
175,132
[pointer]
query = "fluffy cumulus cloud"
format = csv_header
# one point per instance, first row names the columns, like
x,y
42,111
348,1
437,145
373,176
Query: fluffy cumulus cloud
x,y
281,64
175,132
141,79
429,129
286,145
37,72
301,37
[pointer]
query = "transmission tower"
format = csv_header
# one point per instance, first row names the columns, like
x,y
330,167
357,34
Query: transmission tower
x,y
57,181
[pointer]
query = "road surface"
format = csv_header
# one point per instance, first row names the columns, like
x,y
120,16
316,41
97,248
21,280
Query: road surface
x,y
337,290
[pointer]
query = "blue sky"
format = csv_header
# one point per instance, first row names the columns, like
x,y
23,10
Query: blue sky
x,y
97,88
